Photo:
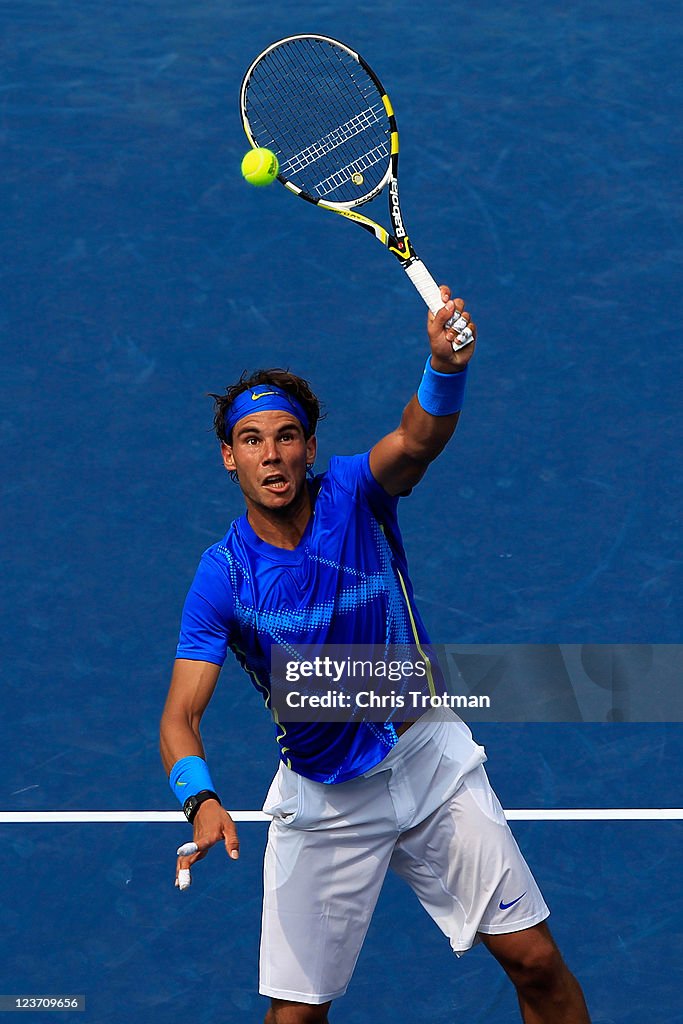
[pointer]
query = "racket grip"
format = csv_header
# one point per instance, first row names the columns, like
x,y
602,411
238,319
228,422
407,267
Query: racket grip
x,y
431,293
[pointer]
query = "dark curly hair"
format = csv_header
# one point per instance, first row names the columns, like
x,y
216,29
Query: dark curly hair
x,y
296,386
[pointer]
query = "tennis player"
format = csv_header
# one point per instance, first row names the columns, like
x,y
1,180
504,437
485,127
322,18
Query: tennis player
x,y
320,561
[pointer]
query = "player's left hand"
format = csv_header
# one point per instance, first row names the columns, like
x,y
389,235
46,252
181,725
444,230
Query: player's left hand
x,y
212,824
444,359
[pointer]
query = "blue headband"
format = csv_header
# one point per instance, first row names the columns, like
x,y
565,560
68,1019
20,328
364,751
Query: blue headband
x,y
262,398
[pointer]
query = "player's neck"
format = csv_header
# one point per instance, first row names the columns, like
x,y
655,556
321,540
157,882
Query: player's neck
x,y
283,528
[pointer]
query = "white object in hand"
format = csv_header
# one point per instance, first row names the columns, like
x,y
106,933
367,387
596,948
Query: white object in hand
x,y
187,849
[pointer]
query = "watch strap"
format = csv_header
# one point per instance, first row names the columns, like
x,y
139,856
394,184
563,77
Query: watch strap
x,y
194,802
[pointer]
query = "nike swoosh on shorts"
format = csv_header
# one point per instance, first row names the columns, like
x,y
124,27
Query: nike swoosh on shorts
x,y
506,906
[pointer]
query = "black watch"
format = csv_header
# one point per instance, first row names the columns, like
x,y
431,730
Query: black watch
x,y
193,803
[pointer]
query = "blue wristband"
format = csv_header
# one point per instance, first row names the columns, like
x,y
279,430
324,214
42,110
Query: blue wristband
x,y
189,776
441,394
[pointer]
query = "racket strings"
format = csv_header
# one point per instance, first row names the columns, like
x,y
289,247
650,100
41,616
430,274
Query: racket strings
x,y
322,113
335,138
293,83
345,175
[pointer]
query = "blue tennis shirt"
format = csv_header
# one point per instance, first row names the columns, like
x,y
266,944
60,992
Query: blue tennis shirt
x,y
345,583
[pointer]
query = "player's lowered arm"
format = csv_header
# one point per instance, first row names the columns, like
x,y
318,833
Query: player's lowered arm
x,y
191,689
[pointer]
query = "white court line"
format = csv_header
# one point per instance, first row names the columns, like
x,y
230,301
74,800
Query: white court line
x,y
116,817
176,817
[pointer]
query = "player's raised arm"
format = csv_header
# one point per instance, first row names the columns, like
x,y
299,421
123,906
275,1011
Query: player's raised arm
x,y
400,460
182,753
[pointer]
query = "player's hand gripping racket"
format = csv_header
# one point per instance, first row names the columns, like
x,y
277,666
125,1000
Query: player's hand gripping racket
x,y
319,107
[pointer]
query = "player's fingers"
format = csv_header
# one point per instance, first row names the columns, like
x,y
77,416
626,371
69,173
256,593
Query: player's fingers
x,y
187,849
465,340
458,322
183,879
187,855
443,315
445,298
232,843
190,853
187,862
460,318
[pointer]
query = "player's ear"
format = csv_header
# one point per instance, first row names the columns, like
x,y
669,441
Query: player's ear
x,y
311,449
228,458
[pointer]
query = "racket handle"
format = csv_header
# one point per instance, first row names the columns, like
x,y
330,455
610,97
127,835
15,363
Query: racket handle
x,y
431,293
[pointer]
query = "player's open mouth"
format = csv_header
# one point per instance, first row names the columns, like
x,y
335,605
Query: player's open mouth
x,y
275,483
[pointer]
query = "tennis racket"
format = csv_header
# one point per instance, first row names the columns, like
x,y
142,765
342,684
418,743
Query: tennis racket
x,y
325,114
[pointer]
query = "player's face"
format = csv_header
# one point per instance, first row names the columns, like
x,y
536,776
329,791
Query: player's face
x,y
269,453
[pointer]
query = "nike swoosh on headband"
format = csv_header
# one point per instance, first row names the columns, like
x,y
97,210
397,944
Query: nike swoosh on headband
x,y
506,906
275,399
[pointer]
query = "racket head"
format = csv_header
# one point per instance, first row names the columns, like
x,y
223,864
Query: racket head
x,y
322,110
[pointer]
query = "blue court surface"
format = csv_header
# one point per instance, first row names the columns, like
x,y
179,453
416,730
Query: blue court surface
x,y
540,147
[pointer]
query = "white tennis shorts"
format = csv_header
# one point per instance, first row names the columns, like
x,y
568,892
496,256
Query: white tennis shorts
x,y
427,811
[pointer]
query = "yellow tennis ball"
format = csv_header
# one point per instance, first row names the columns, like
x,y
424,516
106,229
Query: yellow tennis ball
x,y
260,166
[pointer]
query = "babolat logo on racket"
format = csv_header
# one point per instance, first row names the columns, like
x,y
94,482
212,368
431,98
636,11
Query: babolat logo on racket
x,y
399,230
